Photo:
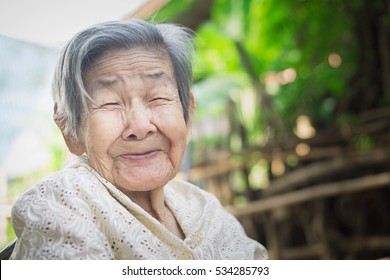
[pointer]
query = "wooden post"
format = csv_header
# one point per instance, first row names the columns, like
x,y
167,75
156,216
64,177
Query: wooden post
x,y
272,237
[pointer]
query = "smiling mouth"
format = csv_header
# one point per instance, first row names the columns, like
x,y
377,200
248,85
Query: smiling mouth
x,y
141,156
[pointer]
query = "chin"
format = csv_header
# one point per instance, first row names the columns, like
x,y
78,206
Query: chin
x,y
143,185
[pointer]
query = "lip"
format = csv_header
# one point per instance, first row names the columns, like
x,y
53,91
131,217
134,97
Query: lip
x,y
140,156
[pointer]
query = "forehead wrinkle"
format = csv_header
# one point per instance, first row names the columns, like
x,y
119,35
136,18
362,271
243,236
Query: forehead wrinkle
x,y
135,60
149,78
106,72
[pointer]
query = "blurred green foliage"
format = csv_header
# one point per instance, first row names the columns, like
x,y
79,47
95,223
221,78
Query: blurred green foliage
x,y
314,40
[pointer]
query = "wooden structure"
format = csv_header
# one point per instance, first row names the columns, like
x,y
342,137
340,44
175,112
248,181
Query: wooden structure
x,y
333,204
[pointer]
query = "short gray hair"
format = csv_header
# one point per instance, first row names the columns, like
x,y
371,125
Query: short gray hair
x,y
69,94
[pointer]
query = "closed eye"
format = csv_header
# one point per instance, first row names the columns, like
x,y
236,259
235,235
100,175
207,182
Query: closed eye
x,y
159,99
109,105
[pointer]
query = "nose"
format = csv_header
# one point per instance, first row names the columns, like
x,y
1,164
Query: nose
x,y
138,123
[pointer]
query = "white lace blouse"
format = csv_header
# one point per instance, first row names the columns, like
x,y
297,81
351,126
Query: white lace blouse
x,y
77,214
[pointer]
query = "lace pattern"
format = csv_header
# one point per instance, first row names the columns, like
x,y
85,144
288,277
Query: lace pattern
x,y
77,214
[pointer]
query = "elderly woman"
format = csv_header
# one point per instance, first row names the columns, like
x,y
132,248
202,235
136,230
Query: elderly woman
x,y
123,103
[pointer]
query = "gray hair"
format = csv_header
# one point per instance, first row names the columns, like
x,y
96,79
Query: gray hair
x,y
85,48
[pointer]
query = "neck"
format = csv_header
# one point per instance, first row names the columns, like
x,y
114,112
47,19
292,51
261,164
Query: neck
x,y
152,202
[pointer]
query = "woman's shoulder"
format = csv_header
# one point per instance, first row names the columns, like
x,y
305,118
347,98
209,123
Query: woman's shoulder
x,y
62,183
61,207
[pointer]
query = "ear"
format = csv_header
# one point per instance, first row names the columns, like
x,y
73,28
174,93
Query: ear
x,y
75,146
191,114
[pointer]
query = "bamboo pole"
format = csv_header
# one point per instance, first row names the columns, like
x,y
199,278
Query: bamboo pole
x,y
312,193
322,169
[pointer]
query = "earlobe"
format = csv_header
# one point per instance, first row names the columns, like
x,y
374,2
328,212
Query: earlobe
x,y
75,146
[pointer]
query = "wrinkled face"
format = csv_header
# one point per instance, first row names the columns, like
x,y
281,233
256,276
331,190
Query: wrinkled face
x,y
134,132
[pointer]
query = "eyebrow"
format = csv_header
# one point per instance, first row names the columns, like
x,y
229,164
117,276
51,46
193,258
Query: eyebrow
x,y
161,75
106,82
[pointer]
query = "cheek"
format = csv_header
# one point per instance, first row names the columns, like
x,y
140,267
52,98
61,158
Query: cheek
x,y
102,130
171,123
175,130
